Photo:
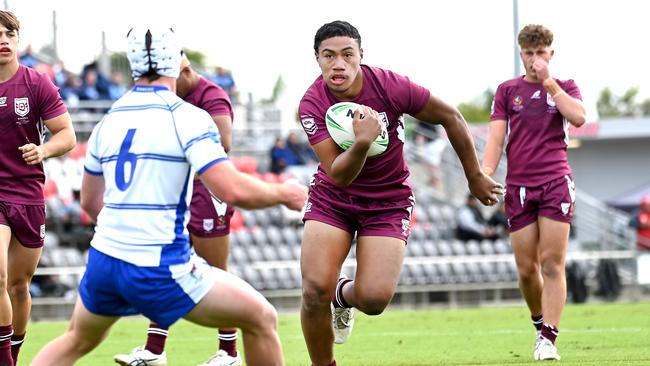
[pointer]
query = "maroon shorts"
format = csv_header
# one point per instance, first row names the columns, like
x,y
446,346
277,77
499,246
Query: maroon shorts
x,y
554,200
209,217
366,217
27,222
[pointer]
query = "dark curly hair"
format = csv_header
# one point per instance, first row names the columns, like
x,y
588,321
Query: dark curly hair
x,y
535,35
337,28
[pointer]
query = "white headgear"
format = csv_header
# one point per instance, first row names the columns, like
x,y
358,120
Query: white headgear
x,y
153,49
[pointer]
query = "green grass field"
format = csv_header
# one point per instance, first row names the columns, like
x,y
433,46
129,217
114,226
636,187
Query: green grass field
x,y
596,334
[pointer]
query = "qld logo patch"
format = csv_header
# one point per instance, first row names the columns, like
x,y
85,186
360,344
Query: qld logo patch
x,y
309,124
208,225
21,106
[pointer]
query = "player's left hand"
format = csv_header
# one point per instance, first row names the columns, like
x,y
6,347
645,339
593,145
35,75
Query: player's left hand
x,y
32,153
541,69
486,190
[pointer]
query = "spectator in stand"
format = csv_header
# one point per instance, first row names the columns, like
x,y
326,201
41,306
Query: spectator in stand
x,y
641,222
101,82
70,89
90,89
117,87
224,79
471,224
27,58
281,156
304,154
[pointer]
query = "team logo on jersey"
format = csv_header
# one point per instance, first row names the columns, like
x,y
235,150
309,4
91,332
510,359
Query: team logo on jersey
x,y
3,101
517,103
21,106
208,224
309,124
536,94
549,100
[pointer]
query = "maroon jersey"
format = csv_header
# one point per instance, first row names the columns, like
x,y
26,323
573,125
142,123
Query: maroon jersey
x,y
26,100
537,134
211,98
391,95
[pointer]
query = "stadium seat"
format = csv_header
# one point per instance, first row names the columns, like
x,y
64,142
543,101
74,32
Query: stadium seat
x,y
285,253
458,247
444,248
238,255
274,236
472,247
430,249
254,254
487,247
270,253
414,249
259,236
253,277
249,217
421,215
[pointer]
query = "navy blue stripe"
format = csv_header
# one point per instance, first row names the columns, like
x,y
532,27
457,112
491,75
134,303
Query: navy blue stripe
x,y
179,159
207,135
140,206
139,108
92,172
206,166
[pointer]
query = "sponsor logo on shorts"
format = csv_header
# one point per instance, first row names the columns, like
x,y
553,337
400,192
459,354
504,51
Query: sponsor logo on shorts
x,y
3,101
42,233
406,227
565,208
208,224
308,206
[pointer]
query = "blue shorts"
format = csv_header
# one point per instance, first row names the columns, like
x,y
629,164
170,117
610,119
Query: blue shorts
x,y
113,287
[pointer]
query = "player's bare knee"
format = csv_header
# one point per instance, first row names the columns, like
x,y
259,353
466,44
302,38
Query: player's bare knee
x,y
528,272
551,269
373,304
18,291
3,282
315,296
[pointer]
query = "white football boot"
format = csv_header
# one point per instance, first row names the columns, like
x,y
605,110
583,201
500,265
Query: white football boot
x,y
222,358
141,357
545,350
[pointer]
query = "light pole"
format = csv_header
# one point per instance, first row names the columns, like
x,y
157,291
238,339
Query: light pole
x,y
515,24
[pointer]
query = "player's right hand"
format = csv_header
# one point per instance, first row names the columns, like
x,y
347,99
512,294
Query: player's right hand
x,y
366,124
295,194
486,190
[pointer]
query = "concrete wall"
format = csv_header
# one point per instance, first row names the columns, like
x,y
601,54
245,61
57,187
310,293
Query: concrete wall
x,y
606,168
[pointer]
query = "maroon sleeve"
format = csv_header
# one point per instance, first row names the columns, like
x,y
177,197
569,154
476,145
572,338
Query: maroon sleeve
x,y
50,103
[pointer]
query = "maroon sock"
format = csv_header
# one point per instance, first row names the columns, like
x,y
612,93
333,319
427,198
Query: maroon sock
x,y
339,300
16,343
6,331
228,341
156,337
538,321
550,332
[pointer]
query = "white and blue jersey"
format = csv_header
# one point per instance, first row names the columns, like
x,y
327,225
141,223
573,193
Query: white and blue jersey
x,y
148,148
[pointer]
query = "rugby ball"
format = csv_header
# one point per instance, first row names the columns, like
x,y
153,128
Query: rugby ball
x,y
338,120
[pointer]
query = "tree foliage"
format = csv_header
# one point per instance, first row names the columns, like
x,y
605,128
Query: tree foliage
x,y
478,110
610,105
